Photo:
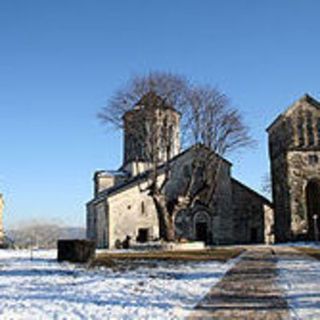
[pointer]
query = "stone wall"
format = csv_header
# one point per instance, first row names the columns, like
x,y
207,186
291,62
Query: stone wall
x,y
249,210
220,229
98,222
130,212
300,172
222,220
281,198
269,225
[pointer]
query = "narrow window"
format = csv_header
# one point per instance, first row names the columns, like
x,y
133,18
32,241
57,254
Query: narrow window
x,y
310,129
300,131
313,159
318,130
143,210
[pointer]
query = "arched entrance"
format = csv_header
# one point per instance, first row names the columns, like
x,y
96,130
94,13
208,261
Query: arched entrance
x,y
313,208
202,229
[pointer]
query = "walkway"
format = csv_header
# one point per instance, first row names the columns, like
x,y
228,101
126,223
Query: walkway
x,y
248,291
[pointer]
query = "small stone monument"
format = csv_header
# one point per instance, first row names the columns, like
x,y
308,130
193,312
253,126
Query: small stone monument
x,y
76,250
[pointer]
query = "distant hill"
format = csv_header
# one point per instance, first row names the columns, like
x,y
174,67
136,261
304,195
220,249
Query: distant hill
x,y
73,233
42,235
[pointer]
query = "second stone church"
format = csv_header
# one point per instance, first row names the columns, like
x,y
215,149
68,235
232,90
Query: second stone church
x,y
294,148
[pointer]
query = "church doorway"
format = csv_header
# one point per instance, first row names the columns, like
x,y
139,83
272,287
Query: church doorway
x,y
202,227
254,235
313,208
201,231
143,235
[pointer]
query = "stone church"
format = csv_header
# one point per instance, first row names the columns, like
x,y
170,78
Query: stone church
x,y
122,208
294,149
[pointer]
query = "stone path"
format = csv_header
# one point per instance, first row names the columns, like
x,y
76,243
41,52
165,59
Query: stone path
x,y
248,291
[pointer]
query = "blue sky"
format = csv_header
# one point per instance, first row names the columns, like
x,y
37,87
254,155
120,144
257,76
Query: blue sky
x,y
61,60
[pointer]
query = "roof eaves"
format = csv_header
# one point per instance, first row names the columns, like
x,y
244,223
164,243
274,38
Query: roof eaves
x,y
253,191
143,176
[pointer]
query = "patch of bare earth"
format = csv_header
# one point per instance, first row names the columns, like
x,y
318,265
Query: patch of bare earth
x,y
110,259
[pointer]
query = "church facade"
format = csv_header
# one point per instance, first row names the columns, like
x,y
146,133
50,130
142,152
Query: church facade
x,y
294,149
121,206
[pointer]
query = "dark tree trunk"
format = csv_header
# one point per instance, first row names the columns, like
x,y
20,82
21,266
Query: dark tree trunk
x,y
166,221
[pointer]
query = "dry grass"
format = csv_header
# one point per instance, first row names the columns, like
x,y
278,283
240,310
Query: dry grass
x,y
110,259
313,252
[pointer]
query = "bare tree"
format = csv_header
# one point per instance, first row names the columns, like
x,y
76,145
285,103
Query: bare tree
x,y
170,87
215,129
208,122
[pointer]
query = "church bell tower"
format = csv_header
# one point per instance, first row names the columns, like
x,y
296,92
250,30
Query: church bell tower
x,y
151,133
294,148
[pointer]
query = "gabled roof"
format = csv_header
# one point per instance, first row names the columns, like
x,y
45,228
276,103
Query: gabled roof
x,y
306,98
253,192
143,176
133,181
151,100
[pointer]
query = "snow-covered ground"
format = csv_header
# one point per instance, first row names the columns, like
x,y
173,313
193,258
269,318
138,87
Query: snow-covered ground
x,y
299,277
309,244
45,289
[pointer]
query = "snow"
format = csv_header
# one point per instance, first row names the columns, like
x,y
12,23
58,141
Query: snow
x,y
299,277
310,244
45,289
